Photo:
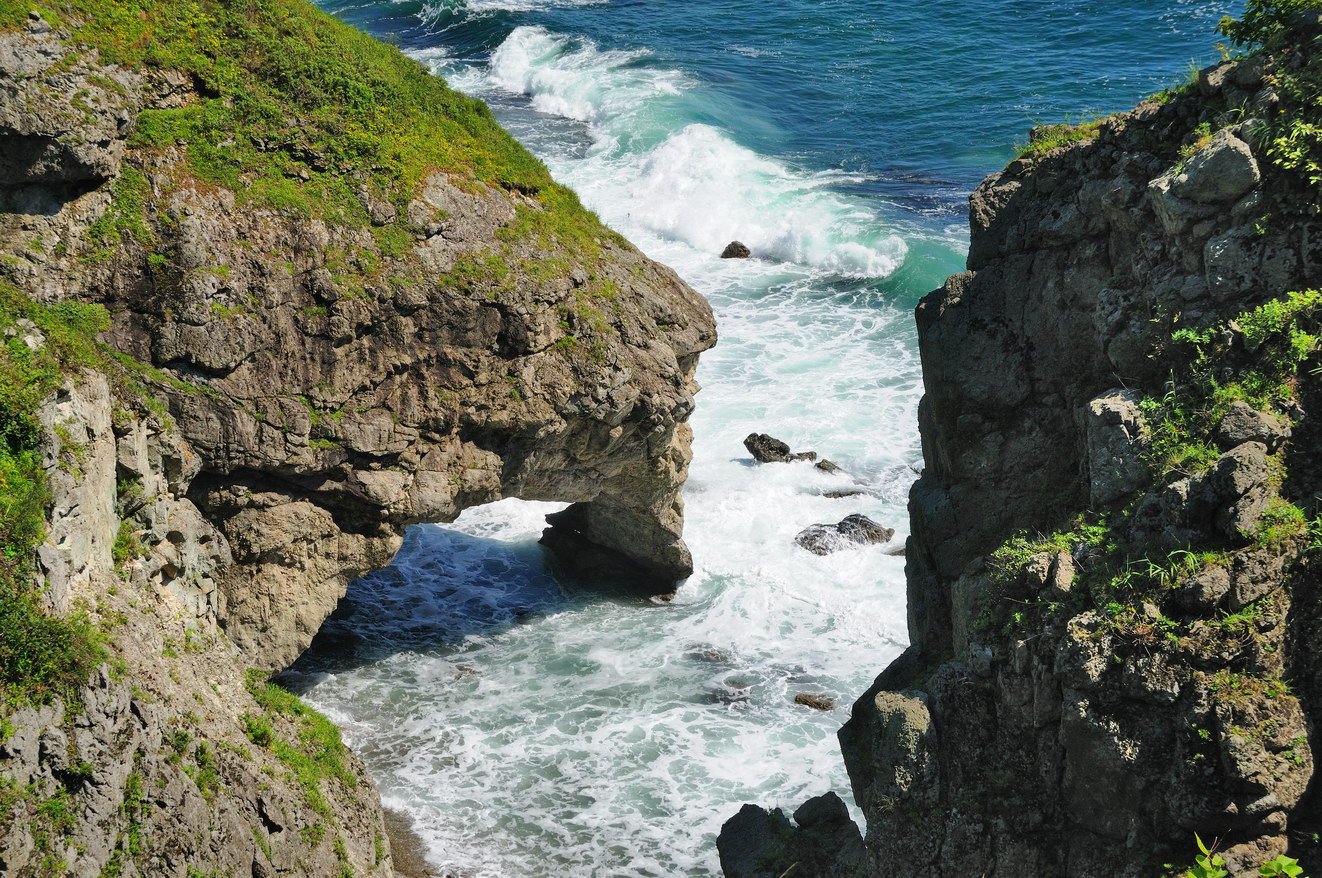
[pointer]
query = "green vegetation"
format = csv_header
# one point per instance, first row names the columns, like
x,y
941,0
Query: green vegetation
x,y
315,754
1048,137
1292,135
1258,358
297,110
1209,864
41,656
1261,350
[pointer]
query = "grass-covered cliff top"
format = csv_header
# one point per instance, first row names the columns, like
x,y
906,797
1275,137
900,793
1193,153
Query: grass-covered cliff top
x,y
296,110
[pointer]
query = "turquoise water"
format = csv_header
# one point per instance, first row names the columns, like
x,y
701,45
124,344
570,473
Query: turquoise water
x,y
530,729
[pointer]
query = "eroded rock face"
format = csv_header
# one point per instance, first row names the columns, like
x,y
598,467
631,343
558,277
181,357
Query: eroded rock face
x,y
151,765
299,391
336,391
63,119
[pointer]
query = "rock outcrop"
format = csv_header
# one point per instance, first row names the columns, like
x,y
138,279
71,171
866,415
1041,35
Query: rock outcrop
x,y
312,346
851,531
1110,601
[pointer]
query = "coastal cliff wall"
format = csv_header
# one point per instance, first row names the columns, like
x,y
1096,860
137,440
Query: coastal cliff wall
x,y
272,293
1113,564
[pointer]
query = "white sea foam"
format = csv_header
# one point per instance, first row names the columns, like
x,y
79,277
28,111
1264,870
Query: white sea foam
x,y
438,10
692,183
530,731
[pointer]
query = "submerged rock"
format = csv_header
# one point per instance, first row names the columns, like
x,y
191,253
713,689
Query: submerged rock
x,y
736,250
828,466
855,530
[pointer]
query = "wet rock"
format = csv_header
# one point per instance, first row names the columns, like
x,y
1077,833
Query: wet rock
x,y
709,655
855,530
736,250
766,449
816,702
844,493
757,843
828,466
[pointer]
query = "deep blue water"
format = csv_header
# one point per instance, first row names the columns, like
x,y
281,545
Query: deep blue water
x,y
532,730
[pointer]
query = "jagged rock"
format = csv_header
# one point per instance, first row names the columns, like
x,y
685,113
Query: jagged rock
x,y
1243,424
327,387
766,449
736,250
757,843
828,466
843,494
1219,173
65,118
1206,589
1084,740
854,530
1239,481
1117,439
816,702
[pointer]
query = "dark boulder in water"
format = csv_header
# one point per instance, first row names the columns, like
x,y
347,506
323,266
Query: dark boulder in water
x,y
816,702
843,493
856,530
828,466
736,250
768,449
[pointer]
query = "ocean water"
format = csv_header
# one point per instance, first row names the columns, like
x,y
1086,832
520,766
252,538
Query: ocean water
x,y
530,729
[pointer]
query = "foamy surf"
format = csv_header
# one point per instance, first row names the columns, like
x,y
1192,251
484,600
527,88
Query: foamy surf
x,y
530,730
651,171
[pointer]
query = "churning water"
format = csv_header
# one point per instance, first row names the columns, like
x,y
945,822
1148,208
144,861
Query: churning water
x,y
531,730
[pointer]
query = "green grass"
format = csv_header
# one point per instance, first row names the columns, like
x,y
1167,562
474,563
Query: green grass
x,y
1049,137
298,110
1291,135
315,754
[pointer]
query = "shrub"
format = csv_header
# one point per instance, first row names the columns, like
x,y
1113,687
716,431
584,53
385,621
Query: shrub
x,y
1292,136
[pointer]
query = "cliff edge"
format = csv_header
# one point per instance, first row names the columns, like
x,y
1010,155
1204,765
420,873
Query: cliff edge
x,y
271,294
1113,565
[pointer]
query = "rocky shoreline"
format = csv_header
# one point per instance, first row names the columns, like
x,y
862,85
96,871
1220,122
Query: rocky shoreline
x,y
1114,548
268,353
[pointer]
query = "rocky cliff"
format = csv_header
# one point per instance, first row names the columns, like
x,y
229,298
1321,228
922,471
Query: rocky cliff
x,y
1114,556
272,294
